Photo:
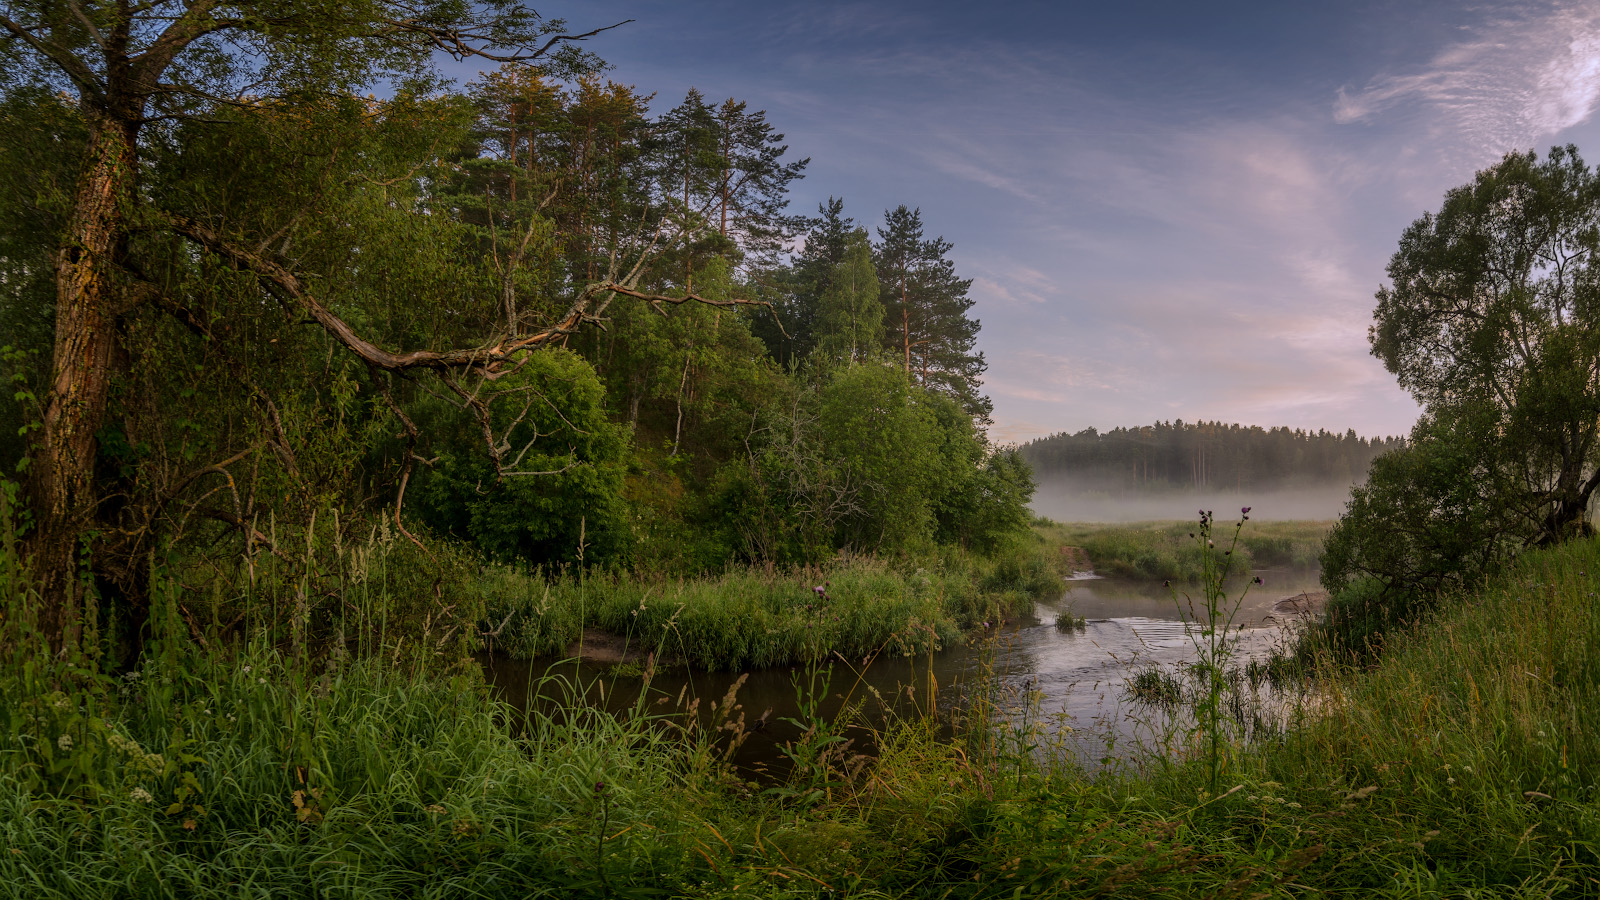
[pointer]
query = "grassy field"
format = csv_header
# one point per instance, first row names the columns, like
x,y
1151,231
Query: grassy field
x,y
1463,764
1165,550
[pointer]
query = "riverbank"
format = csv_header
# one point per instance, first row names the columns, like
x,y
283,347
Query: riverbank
x,y
1464,763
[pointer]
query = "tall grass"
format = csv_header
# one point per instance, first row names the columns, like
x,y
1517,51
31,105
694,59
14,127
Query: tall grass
x,y
753,618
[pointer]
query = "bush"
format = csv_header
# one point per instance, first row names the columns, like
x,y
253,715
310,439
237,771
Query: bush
x,y
552,414
1429,518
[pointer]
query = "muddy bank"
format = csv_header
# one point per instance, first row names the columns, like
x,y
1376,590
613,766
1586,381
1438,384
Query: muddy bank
x,y
1304,605
605,648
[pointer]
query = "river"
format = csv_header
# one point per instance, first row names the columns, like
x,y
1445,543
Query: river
x,y
1069,682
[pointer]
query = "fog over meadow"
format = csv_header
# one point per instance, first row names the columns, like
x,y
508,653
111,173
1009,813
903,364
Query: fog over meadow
x,y
1067,500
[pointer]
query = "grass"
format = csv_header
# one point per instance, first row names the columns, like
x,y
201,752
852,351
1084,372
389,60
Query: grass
x,y
1070,621
753,618
1164,550
1464,763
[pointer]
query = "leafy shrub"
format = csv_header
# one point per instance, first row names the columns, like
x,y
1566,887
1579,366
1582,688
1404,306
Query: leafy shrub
x,y
552,414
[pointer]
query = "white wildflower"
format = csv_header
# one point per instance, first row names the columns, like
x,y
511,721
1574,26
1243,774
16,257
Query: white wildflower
x,y
140,795
64,742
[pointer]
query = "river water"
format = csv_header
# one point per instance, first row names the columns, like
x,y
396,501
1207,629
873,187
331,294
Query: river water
x,y
1071,683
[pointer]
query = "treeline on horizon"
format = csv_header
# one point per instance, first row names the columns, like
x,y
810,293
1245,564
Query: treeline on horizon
x,y
1179,455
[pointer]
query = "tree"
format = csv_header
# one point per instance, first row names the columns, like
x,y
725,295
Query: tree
x,y
926,307
798,288
1431,515
723,167
140,232
880,426
850,320
571,460
1497,298
752,180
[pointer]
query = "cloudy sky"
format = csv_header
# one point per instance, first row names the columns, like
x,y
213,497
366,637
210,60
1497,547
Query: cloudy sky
x,y
1169,209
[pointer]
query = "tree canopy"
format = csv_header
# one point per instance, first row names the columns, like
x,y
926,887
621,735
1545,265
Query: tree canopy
x,y
528,317
1496,299
1492,321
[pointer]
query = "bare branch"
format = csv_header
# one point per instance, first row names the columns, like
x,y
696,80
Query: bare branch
x,y
467,43
490,361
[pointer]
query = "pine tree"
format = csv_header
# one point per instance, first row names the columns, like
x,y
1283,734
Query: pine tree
x,y
926,305
796,289
752,180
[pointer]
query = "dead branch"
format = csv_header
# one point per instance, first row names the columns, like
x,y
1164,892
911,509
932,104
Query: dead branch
x,y
490,361
410,456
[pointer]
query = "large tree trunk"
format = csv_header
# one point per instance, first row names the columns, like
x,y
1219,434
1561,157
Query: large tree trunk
x,y
1568,516
62,479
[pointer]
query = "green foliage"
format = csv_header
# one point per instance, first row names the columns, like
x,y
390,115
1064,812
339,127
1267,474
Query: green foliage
x,y
849,317
1464,765
1430,516
752,619
312,292
1493,299
41,139
874,420
554,492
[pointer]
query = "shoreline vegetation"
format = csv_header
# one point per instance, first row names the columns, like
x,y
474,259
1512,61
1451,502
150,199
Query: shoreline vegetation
x,y
756,618
1167,550
1464,762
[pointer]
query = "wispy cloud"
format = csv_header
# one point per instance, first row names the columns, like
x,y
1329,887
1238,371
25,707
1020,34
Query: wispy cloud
x,y
1522,75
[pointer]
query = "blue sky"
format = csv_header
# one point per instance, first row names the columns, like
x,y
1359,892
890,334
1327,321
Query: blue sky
x,y
1170,209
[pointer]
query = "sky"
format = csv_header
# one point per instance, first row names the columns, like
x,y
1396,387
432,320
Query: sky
x,y
1169,210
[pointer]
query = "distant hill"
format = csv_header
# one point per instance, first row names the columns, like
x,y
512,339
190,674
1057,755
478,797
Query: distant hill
x,y
1202,456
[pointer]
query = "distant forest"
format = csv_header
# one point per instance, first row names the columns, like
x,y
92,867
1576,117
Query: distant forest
x,y
1181,455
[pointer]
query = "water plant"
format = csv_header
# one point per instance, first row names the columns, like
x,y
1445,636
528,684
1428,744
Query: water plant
x,y
1067,620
